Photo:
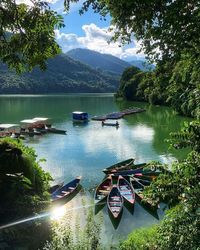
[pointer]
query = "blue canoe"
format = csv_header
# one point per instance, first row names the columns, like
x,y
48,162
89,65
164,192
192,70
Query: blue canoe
x,y
66,190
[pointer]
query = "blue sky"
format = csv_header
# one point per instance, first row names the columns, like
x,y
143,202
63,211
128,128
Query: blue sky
x,y
89,31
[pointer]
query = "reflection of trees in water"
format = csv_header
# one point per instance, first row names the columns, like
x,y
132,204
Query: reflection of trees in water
x,y
163,120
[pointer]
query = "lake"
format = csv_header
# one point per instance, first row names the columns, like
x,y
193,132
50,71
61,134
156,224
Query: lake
x,y
89,148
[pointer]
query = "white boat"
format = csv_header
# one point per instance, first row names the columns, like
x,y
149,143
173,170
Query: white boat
x,y
9,130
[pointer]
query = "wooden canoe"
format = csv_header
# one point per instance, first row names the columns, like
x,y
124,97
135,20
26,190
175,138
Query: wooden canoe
x,y
103,190
54,188
66,190
110,124
126,169
119,166
126,190
139,188
142,170
115,202
55,130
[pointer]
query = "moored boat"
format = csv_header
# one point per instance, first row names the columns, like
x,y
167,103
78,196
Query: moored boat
x,y
115,202
126,190
55,130
79,116
127,169
119,166
9,130
110,124
103,190
139,188
55,187
142,170
66,190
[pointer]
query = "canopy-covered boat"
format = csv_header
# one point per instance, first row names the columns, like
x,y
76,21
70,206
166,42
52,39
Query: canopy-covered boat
x,y
103,190
66,190
9,130
79,116
115,202
126,190
119,166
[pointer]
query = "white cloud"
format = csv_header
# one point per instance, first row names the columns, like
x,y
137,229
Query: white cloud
x,y
97,39
29,2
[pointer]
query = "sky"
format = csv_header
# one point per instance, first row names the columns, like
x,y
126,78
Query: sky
x,y
89,31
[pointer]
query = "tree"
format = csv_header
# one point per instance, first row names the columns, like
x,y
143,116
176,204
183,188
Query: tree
x,y
23,183
125,78
27,34
166,28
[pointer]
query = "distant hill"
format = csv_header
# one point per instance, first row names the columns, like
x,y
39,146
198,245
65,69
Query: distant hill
x,y
104,62
142,65
63,75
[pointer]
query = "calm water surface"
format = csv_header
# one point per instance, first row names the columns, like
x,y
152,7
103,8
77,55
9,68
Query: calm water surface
x,y
89,148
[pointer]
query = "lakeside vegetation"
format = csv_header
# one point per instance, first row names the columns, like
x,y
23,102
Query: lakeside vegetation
x,y
23,184
172,42
23,194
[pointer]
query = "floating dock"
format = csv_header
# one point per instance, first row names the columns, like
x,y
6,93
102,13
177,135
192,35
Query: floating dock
x,y
118,115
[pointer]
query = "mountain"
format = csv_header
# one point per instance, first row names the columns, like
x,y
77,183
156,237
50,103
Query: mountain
x,y
107,63
63,75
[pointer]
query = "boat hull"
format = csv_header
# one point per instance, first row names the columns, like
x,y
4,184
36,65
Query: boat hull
x,y
66,191
126,163
115,202
103,190
126,190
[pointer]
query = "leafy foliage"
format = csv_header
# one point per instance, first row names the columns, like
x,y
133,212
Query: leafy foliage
x,y
141,239
165,28
126,78
27,34
85,237
23,184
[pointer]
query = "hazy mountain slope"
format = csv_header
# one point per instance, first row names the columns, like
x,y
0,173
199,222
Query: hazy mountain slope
x,y
62,75
105,62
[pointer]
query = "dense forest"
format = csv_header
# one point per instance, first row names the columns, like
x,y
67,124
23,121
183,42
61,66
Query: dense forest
x,y
176,87
63,75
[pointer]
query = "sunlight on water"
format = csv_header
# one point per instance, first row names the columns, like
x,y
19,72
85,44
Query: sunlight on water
x,y
58,213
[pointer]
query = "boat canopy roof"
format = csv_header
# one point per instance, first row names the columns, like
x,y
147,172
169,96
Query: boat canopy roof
x,y
40,119
28,121
79,113
6,126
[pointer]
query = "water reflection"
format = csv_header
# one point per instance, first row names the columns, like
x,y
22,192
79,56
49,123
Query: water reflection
x,y
89,148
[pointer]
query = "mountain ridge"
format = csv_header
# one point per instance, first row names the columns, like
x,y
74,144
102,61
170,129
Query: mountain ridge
x,y
105,62
63,75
